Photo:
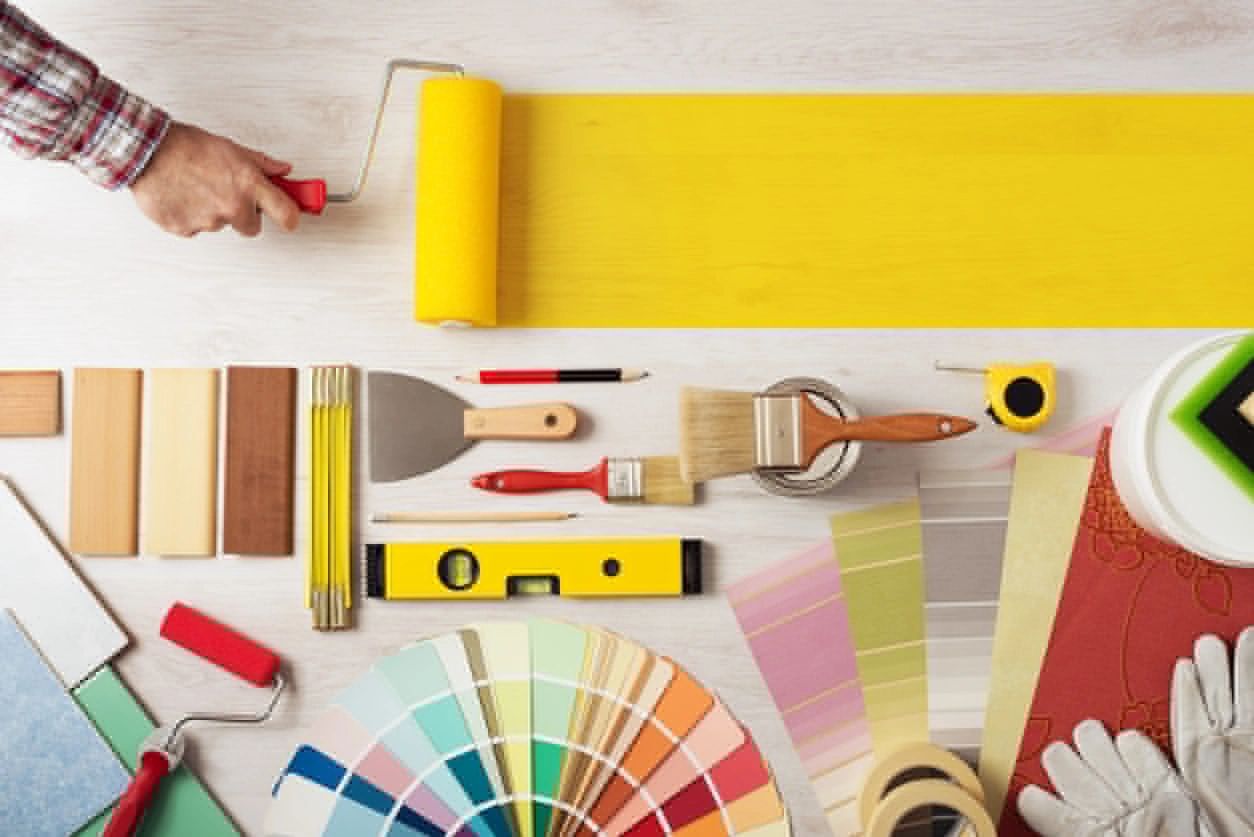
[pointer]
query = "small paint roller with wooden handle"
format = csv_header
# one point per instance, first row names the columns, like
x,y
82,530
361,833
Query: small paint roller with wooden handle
x,y
162,751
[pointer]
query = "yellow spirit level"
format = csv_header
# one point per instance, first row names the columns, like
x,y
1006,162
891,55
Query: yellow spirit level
x,y
496,570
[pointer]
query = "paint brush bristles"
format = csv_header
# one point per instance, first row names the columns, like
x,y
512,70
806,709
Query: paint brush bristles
x,y
716,433
663,483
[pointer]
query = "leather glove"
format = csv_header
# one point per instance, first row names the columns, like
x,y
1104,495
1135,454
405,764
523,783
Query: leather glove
x,y
1119,788
1212,730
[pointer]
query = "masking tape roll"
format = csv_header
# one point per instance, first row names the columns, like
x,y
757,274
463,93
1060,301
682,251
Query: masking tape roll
x,y
918,755
926,793
458,201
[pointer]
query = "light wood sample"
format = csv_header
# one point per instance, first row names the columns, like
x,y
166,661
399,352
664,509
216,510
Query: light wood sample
x,y
260,456
30,403
181,491
104,461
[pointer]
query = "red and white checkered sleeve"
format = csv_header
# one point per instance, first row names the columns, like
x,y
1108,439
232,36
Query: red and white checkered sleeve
x,y
56,105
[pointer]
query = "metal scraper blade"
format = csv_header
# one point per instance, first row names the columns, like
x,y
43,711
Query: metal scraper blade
x,y
415,426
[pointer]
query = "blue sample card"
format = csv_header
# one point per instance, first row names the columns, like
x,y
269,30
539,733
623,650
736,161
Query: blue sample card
x,y
57,771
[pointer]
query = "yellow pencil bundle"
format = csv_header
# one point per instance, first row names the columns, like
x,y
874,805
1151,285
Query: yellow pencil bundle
x,y
328,591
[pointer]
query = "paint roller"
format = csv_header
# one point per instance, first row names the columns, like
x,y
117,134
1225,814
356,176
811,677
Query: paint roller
x,y
162,750
458,192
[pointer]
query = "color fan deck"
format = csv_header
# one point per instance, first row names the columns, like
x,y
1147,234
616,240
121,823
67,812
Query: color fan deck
x,y
534,729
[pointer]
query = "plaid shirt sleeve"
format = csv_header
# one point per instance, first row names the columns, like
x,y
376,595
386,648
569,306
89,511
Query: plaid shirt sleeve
x,y
56,105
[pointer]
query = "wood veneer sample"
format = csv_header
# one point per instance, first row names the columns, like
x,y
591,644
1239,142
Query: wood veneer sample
x,y
181,492
30,403
104,461
260,456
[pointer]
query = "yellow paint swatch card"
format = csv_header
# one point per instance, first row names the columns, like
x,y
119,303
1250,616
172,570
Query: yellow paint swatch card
x,y
1045,505
880,550
874,210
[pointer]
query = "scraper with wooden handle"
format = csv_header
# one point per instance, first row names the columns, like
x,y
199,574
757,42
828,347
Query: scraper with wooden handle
x,y
416,426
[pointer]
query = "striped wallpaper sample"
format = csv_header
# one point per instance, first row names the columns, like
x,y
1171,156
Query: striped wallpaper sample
x,y
880,551
797,605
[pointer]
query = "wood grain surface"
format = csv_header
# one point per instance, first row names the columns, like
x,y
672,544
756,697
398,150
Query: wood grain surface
x,y
104,461
84,278
30,402
180,496
259,471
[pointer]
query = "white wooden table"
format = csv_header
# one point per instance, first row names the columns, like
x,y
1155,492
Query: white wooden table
x,y
85,280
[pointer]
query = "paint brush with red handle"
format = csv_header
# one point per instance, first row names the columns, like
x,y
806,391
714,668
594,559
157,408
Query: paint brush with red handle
x,y
648,479
162,751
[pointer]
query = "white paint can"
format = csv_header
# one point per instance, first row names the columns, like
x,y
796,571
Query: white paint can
x,y
1168,484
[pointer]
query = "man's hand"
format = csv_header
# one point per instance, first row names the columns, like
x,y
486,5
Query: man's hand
x,y
200,182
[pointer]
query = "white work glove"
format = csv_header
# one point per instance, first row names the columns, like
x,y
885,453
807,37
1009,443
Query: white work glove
x,y
1212,730
1120,788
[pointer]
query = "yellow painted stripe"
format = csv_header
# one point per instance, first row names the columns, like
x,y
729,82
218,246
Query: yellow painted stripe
x,y
875,210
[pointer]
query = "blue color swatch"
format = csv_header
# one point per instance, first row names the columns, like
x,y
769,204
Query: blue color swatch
x,y
57,771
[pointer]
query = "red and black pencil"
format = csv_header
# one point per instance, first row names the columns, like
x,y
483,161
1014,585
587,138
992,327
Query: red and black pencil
x,y
551,376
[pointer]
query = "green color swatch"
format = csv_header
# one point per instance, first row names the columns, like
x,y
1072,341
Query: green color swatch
x,y
880,550
182,805
557,651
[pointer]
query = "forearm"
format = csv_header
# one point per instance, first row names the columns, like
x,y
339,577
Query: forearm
x,y
56,105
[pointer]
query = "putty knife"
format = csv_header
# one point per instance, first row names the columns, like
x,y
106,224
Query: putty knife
x,y
416,426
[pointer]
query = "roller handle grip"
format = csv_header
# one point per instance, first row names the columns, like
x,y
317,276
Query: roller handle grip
x,y
310,195
220,645
531,482
124,821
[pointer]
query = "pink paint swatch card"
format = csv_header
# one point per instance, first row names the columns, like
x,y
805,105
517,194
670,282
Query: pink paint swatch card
x,y
794,618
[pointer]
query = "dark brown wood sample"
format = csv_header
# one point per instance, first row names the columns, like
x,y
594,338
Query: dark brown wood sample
x,y
260,457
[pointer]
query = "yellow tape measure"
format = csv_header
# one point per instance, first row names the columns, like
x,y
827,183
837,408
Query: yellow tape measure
x,y
496,570
1020,397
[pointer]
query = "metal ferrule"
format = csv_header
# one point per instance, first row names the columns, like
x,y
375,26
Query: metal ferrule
x,y
777,425
624,479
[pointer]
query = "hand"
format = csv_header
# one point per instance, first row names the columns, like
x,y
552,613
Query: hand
x,y
1110,788
1212,730
200,182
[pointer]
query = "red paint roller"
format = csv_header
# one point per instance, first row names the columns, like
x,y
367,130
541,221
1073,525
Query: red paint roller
x,y
163,749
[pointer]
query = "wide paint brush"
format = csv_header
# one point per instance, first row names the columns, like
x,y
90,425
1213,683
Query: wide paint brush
x,y
649,479
725,433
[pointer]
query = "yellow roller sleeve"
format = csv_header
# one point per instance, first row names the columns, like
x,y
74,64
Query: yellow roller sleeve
x,y
459,153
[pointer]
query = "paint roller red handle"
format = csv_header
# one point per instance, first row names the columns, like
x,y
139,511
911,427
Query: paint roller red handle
x,y
530,482
310,195
220,645
153,767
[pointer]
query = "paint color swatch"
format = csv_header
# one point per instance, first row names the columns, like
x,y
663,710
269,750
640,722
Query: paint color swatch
x,y
526,728
183,806
1045,505
72,629
794,617
1078,440
58,772
880,550
964,534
